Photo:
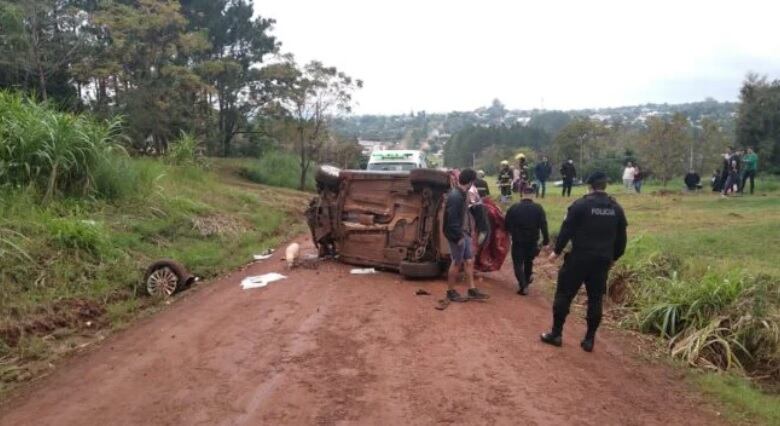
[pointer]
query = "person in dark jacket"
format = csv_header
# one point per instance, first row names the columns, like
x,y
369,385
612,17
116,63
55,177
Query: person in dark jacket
x,y
692,180
639,177
542,172
457,230
524,221
481,185
568,173
596,226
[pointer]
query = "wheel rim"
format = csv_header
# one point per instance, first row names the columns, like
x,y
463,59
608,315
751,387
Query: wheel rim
x,y
162,282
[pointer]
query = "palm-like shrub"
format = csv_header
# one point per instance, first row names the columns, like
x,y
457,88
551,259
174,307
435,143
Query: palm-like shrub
x,y
56,152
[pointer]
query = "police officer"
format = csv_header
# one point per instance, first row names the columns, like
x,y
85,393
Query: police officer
x,y
524,221
596,226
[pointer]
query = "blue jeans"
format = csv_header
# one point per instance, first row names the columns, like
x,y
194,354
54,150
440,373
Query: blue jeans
x,y
638,186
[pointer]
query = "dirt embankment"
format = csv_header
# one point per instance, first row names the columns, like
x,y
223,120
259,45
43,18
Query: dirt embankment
x,y
328,347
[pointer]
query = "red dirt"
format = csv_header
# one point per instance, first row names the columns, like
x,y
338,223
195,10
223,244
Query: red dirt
x,y
328,347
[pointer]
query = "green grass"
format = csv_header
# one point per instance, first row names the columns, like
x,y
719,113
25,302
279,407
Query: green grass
x,y
277,169
701,272
59,256
741,401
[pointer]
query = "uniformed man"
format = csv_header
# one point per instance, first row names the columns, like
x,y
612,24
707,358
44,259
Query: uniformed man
x,y
524,221
505,182
596,226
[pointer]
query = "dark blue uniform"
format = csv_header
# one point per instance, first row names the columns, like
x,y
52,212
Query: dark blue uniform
x,y
596,226
524,222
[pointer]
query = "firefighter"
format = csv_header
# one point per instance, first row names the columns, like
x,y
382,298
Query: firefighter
x,y
596,226
505,182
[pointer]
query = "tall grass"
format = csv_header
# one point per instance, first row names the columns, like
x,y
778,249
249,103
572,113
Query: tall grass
x,y
55,152
727,320
278,169
184,151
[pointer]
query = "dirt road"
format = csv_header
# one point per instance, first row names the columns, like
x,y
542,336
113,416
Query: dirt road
x,y
327,347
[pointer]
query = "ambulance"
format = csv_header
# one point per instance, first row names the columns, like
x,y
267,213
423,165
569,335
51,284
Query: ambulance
x,y
396,160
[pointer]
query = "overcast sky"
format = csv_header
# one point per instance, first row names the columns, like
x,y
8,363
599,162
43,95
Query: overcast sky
x,y
440,56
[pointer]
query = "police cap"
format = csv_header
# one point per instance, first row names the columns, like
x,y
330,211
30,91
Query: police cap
x,y
597,177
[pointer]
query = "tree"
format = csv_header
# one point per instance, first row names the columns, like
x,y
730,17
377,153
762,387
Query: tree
x,y
663,146
144,64
581,140
707,146
39,39
758,118
238,43
309,97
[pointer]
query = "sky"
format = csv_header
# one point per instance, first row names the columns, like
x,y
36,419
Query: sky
x,y
441,56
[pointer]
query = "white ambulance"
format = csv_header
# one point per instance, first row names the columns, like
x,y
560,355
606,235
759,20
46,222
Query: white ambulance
x,y
396,160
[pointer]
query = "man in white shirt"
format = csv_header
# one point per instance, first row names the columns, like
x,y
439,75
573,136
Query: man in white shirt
x,y
628,176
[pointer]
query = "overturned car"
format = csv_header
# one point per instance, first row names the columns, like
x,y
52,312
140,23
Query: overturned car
x,y
393,220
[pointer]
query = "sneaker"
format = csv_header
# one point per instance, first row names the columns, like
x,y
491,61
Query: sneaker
x,y
552,339
587,344
454,296
523,291
474,293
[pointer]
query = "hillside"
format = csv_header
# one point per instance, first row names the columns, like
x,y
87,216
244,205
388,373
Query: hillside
x,y
72,268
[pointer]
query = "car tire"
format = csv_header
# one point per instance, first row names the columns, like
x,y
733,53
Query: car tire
x,y
165,277
327,177
430,178
420,269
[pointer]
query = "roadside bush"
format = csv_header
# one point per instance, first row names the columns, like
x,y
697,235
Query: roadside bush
x,y
278,169
85,235
55,152
728,321
184,151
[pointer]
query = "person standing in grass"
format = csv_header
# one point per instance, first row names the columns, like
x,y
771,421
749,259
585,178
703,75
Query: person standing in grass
x,y
628,176
732,178
457,230
524,222
749,168
638,177
568,173
596,226
505,181
542,172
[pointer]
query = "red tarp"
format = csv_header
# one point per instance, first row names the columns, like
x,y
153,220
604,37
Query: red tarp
x,y
492,254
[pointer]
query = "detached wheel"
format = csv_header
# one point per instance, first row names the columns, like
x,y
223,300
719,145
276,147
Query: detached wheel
x,y
430,178
327,177
165,277
420,270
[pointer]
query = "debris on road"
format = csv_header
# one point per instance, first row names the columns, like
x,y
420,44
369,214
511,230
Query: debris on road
x,y
165,277
291,254
265,255
259,281
422,292
363,271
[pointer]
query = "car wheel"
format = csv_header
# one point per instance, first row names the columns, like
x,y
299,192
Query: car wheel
x,y
165,277
429,177
420,269
327,177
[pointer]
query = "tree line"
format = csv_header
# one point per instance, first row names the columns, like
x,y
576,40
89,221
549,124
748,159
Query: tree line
x,y
665,145
210,68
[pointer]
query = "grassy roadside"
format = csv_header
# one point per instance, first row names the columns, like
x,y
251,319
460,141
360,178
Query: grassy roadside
x,y
707,265
70,269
